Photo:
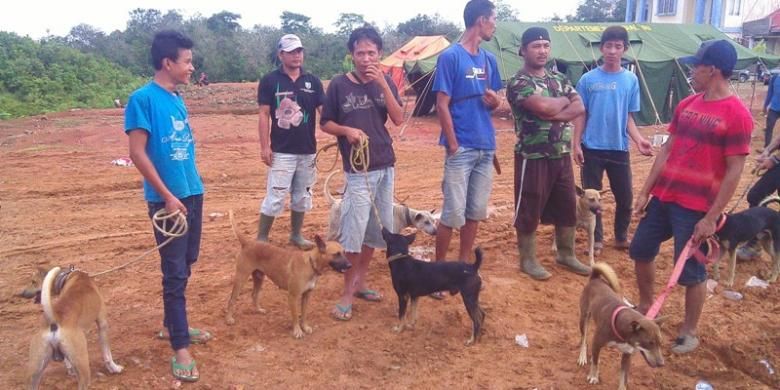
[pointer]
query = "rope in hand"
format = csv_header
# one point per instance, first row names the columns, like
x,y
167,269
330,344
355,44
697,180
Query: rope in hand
x,y
359,160
161,220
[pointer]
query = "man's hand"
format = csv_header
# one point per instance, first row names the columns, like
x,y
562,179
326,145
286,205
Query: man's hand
x,y
703,230
374,73
644,146
267,155
491,99
763,110
354,135
640,204
579,157
173,204
452,147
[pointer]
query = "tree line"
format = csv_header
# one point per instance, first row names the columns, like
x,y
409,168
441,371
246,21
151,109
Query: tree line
x,y
89,67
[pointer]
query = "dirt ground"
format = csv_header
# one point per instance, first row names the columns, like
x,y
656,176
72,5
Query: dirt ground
x,y
63,202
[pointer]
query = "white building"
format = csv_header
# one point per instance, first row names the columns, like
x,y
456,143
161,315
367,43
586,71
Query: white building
x,y
726,15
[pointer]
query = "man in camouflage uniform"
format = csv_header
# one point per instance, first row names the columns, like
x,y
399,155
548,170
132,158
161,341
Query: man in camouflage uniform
x,y
543,103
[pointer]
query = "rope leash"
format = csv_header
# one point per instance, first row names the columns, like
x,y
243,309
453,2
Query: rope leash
x,y
359,160
322,150
161,220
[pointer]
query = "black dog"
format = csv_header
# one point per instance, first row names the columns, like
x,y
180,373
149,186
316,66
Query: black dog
x,y
414,278
746,225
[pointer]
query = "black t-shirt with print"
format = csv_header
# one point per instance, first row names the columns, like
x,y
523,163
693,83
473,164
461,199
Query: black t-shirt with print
x,y
293,107
361,106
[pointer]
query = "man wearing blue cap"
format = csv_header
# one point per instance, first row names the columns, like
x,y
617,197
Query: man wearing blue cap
x,y
692,180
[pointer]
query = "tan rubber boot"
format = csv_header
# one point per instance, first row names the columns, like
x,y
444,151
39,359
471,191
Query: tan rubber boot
x,y
526,245
564,240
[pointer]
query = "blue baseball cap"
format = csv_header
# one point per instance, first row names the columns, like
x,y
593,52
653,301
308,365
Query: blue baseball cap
x,y
719,53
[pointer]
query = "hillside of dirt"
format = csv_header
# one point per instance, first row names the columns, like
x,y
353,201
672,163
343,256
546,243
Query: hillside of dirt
x,y
63,202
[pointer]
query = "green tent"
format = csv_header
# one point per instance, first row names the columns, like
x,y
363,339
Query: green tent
x,y
654,47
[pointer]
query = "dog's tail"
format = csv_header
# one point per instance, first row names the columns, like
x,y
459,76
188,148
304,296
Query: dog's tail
x,y
326,187
478,256
48,281
770,199
241,238
604,270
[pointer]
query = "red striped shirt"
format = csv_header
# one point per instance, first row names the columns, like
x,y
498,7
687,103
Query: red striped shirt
x,y
705,133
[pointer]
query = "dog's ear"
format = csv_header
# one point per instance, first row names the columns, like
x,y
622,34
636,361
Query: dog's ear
x,y
660,320
579,190
385,233
321,246
410,238
635,326
602,192
433,211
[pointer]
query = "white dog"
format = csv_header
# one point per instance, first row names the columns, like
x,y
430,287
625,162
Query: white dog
x,y
403,215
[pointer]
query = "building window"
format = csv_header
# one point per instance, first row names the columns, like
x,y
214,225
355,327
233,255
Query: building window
x,y
735,7
667,7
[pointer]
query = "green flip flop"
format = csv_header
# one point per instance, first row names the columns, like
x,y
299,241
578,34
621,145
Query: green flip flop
x,y
197,336
177,369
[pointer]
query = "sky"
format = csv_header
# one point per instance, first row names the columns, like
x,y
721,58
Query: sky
x,y
56,17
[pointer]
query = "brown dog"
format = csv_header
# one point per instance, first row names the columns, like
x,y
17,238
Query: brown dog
x,y
62,334
291,270
588,207
616,324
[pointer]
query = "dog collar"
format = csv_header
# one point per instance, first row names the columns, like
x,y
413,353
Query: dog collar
x,y
313,267
614,317
720,224
397,256
62,277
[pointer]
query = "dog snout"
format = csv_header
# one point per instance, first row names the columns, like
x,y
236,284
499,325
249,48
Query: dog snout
x,y
340,265
595,210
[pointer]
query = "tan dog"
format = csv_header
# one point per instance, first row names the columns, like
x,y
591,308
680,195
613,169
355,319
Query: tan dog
x,y
616,324
291,270
588,207
62,334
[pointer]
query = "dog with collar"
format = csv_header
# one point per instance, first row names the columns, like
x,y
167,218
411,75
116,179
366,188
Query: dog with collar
x,y
739,228
615,324
414,278
62,335
291,270
403,216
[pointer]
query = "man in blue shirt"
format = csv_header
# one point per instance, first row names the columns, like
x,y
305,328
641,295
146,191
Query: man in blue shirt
x,y
163,150
611,96
465,84
771,108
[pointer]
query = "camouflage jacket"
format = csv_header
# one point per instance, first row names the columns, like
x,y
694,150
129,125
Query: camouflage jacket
x,y
538,138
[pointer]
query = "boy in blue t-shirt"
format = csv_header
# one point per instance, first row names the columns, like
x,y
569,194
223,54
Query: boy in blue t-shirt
x,y
611,96
465,84
162,148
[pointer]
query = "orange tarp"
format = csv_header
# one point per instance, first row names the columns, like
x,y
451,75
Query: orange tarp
x,y
417,48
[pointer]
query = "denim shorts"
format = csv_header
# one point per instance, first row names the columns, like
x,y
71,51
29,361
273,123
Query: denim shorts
x,y
468,180
293,174
359,224
665,220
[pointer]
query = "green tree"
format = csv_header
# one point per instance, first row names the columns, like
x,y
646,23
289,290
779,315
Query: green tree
x,y
427,25
293,23
597,11
505,12
348,22
224,22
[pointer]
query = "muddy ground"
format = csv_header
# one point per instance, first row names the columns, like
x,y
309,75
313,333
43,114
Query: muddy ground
x,y
63,202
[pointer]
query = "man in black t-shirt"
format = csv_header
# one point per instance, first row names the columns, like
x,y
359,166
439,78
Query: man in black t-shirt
x,y
289,97
356,108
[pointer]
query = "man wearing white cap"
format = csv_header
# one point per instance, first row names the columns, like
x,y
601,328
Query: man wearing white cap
x,y
290,98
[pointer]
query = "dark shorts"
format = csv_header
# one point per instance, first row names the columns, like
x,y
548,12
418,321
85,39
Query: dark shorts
x,y
548,193
665,220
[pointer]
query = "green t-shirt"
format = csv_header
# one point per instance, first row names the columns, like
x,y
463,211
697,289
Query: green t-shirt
x,y
538,138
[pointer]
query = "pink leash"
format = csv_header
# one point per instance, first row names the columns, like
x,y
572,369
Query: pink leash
x,y
713,254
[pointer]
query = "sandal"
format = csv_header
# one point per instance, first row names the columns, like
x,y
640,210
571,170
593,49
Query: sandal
x,y
197,336
369,295
179,371
685,344
342,313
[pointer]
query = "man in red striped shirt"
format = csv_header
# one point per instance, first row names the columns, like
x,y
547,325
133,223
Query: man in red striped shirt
x,y
692,180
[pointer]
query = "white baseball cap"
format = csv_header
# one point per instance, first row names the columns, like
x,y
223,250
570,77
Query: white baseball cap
x,y
289,43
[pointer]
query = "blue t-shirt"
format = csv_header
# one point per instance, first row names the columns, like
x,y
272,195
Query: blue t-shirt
x,y
170,145
464,78
773,94
608,98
